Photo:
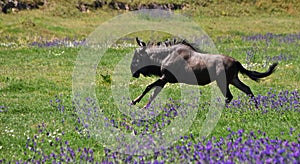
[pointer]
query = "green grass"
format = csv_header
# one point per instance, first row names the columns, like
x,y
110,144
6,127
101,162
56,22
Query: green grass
x,y
38,75
30,77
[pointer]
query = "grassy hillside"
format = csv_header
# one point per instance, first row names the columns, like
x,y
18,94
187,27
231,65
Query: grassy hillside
x,y
61,19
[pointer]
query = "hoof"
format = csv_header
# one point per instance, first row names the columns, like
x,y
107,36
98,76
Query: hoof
x,y
133,103
146,106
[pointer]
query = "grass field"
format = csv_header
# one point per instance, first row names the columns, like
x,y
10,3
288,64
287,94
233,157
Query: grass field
x,y
38,50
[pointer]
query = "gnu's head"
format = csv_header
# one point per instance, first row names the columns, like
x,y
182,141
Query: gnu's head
x,y
136,63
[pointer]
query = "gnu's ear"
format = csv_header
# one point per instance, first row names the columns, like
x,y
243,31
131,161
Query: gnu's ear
x,y
139,42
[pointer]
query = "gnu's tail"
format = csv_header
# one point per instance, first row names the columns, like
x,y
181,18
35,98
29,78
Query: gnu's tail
x,y
256,75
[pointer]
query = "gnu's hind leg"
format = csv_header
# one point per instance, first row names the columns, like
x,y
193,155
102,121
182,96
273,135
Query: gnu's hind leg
x,y
221,79
224,87
229,96
243,87
226,92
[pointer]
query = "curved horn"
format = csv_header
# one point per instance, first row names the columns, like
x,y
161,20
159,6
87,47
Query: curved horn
x,y
174,41
139,42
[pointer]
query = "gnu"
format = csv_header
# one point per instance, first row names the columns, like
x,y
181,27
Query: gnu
x,y
180,62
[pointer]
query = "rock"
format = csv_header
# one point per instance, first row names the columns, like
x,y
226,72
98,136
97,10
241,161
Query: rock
x,y
17,5
7,6
99,4
118,5
82,7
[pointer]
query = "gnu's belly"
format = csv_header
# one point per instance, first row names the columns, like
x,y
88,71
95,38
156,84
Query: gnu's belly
x,y
189,77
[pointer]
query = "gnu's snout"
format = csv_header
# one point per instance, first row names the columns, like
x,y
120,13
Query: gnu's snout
x,y
136,74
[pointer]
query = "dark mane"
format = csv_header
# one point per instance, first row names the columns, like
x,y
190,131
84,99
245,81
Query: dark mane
x,y
191,45
175,41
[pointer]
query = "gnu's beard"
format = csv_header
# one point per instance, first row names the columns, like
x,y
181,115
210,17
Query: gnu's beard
x,y
136,74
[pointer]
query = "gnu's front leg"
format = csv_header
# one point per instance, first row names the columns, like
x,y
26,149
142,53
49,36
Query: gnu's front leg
x,y
158,83
153,96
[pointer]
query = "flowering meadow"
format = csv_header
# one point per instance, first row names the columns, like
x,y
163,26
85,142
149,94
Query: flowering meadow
x,y
54,133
